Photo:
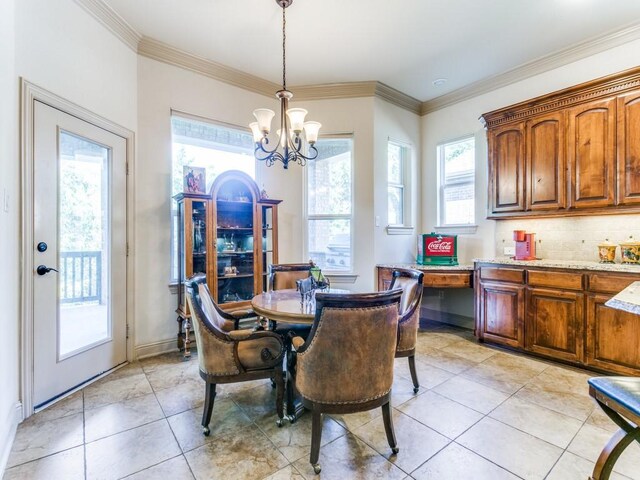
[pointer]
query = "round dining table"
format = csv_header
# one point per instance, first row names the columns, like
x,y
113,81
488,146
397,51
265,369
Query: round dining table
x,y
287,307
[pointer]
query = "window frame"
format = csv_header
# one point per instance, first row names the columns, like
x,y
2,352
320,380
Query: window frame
x,y
466,179
406,158
173,281
341,216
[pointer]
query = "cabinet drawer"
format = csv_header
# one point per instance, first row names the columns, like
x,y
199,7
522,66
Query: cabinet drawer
x,y
607,283
564,280
447,280
514,275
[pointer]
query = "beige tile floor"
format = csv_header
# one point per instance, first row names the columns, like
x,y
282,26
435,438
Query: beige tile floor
x,y
481,413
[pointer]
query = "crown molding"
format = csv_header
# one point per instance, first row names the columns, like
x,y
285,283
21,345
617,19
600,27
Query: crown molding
x,y
535,67
604,87
117,25
157,50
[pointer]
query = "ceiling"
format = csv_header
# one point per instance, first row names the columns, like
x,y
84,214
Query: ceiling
x,y
405,45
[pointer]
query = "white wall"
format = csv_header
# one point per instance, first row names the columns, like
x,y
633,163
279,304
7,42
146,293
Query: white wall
x,y
9,228
61,48
395,123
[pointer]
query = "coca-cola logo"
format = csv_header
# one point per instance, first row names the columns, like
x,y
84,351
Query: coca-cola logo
x,y
440,246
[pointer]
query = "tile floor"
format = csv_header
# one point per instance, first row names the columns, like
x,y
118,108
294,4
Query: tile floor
x,y
481,413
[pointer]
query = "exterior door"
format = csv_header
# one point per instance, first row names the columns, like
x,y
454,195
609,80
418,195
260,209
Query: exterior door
x,y
79,252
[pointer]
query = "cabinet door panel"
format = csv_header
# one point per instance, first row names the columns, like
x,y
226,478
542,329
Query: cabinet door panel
x,y
506,153
546,162
554,323
612,337
501,312
629,149
591,154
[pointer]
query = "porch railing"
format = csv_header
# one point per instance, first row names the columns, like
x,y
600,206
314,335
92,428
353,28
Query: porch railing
x,y
80,277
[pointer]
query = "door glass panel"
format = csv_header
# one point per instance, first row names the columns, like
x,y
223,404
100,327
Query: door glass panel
x,y
83,240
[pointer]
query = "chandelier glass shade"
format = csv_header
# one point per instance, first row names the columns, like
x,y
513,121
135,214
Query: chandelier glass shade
x,y
294,134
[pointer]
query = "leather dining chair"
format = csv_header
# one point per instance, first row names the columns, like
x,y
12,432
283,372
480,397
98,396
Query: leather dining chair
x,y
410,281
284,275
351,333
227,355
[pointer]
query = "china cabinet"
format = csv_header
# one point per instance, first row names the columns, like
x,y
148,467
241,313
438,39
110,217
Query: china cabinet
x,y
230,235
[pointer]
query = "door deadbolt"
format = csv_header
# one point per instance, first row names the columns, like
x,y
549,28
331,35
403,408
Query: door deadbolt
x,y
42,247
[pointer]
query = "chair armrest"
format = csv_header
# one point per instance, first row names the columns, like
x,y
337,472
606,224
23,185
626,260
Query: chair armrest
x,y
242,335
297,342
241,313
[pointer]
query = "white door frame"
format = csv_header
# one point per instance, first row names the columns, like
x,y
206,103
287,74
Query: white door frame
x,y
29,94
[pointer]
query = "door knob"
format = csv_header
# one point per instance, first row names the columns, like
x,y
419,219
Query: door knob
x,y
43,270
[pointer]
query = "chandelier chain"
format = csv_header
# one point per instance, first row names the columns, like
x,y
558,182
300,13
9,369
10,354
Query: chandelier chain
x,y
284,47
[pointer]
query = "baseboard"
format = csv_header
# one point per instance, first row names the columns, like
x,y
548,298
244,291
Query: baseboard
x,y
155,348
14,418
428,314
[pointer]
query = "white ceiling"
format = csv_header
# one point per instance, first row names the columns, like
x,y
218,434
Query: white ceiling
x,y
405,45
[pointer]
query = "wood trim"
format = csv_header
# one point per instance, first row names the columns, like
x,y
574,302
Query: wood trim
x,y
584,92
544,64
117,25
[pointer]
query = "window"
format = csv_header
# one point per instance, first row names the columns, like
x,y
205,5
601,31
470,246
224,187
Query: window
x,y
456,163
214,147
398,156
329,205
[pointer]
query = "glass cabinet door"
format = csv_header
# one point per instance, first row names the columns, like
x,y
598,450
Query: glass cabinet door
x,y
267,243
198,248
235,249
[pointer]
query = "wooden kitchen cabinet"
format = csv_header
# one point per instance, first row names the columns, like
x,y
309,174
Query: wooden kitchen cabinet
x,y
591,154
546,162
502,313
558,314
554,323
507,168
612,337
571,152
628,175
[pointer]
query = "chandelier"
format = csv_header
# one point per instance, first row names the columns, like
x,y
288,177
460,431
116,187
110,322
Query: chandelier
x,y
290,145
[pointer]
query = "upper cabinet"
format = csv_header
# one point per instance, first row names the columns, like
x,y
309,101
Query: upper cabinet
x,y
628,182
572,152
506,146
591,145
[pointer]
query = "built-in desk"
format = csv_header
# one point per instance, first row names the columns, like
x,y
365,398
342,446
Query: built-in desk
x,y
440,276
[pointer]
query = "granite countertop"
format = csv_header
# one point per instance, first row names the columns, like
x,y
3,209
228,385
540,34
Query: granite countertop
x,y
627,300
415,266
570,264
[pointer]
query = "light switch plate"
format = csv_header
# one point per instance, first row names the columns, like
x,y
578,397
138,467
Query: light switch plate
x,y
509,250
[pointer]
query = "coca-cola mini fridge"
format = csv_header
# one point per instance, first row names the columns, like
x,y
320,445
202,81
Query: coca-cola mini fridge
x,y
437,249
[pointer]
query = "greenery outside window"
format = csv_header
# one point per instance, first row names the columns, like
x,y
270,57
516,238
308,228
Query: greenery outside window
x,y
329,202
456,165
215,147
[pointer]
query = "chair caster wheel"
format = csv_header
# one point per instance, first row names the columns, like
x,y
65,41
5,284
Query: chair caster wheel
x,y
292,419
395,450
206,431
317,469
280,422
415,389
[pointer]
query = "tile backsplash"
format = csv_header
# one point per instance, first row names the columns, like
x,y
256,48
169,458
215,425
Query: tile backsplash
x,y
570,238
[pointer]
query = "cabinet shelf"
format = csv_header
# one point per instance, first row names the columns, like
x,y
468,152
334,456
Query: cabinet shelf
x,y
231,277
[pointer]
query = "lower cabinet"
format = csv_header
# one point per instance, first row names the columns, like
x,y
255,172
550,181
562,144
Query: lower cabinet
x,y
612,337
558,314
502,313
554,323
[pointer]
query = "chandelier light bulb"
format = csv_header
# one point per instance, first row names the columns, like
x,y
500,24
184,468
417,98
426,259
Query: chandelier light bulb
x,y
296,116
264,117
311,130
255,130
